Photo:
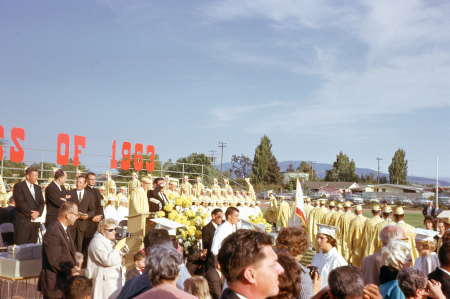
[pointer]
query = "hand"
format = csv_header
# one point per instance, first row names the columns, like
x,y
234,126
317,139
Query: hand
x,y
324,294
434,289
34,214
97,218
84,216
68,196
120,244
317,283
371,292
75,270
63,199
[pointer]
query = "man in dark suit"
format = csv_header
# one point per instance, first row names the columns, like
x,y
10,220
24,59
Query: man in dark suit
x,y
55,196
215,281
249,265
58,253
84,200
29,206
92,224
208,235
428,210
157,199
437,210
442,274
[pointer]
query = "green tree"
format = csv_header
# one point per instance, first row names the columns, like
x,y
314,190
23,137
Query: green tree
x,y
71,170
343,170
368,179
194,170
17,172
241,166
306,168
290,168
273,174
48,168
263,154
398,168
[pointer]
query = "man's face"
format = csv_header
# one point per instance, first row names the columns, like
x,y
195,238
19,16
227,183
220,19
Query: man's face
x,y
73,216
430,204
218,218
322,240
429,225
145,185
133,176
107,176
112,190
32,177
81,183
91,179
173,187
102,191
233,218
140,264
266,273
184,191
198,180
186,179
122,191
64,178
441,228
214,181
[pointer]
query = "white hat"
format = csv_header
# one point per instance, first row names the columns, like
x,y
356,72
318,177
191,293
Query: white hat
x,y
358,207
445,216
247,179
327,230
167,224
399,211
258,202
424,234
124,199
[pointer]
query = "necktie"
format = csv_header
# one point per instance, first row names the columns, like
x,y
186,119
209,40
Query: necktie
x,y
32,191
67,236
79,196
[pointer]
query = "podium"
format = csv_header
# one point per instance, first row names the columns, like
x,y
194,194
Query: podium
x,y
138,225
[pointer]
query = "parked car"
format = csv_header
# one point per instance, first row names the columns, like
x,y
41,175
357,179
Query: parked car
x,y
316,195
401,200
388,199
444,201
421,201
372,201
354,198
287,196
336,198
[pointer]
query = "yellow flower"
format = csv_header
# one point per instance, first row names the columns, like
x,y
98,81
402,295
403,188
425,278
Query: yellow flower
x,y
179,201
183,234
200,210
168,207
203,222
198,234
192,222
171,196
191,232
161,214
260,214
197,218
185,222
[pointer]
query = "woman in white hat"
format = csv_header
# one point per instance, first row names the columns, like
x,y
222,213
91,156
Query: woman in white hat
x,y
328,258
428,260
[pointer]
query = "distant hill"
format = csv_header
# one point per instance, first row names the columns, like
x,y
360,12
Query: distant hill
x,y
320,169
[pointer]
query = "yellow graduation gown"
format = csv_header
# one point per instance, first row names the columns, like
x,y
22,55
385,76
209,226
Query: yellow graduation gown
x,y
327,216
284,212
271,213
108,183
187,185
354,240
139,201
133,184
411,238
310,224
376,234
344,229
335,217
250,188
368,234
198,189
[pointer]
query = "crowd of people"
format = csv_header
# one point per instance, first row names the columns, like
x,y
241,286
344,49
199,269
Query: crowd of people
x,y
356,257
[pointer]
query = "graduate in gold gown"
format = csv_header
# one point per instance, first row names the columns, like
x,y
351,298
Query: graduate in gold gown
x,y
310,221
172,192
138,198
284,212
134,183
249,188
344,229
367,245
186,184
198,186
308,206
215,186
335,216
271,213
354,237
387,214
332,209
50,179
108,182
399,217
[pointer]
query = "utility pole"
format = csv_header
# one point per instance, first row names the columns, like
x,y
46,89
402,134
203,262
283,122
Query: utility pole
x,y
312,169
378,169
222,145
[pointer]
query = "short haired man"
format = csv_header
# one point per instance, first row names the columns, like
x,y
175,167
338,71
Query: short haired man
x,y
138,198
29,206
58,253
108,182
227,228
157,198
346,282
249,264
133,183
77,287
414,284
198,186
55,196
208,235
371,264
98,206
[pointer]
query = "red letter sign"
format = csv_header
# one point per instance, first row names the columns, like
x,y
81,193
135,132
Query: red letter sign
x,y
150,165
63,159
17,155
79,141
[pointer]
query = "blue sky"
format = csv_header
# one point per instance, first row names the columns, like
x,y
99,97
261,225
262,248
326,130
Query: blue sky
x,y
317,77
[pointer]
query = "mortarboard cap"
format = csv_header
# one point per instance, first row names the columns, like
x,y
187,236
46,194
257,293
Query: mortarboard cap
x,y
327,230
399,211
167,224
424,234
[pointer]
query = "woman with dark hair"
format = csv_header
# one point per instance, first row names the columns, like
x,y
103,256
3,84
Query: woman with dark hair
x,y
289,280
328,258
295,239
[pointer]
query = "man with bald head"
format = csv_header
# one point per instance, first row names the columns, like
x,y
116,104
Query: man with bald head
x,y
370,265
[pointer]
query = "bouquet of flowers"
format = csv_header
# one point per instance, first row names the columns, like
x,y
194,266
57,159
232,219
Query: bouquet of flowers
x,y
260,220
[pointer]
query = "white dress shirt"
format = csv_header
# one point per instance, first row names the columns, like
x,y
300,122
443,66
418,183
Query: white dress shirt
x,y
222,231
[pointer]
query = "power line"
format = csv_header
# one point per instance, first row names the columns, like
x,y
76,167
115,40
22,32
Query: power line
x,y
222,145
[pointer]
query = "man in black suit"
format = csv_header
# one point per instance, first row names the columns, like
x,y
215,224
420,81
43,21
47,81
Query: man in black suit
x,y
92,224
437,210
249,265
58,253
84,200
215,281
442,274
55,196
157,199
428,210
29,206
208,235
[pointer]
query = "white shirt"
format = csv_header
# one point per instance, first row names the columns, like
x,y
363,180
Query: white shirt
x,y
110,212
257,211
328,262
222,231
427,263
122,212
80,194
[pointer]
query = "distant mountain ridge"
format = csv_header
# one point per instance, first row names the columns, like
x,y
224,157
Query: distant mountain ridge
x,y
320,169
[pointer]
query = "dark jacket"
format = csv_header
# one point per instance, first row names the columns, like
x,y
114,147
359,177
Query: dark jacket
x,y
215,283
207,238
158,194
443,278
53,201
86,206
98,210
229,294
58,259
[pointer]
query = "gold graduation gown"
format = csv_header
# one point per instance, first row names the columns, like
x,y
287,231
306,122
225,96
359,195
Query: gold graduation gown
x,y
139,201
271,213
344,229
368,236
354,240
284,212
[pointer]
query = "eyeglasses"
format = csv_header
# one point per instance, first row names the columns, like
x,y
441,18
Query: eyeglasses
x,y
111,230
74,214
